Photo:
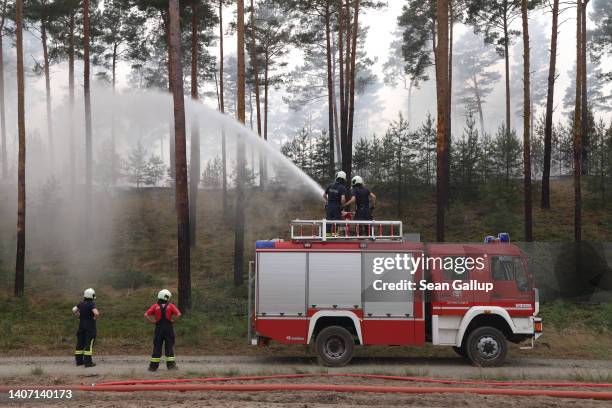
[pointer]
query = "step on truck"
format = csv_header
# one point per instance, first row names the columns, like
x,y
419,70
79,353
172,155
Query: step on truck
x,y
337,285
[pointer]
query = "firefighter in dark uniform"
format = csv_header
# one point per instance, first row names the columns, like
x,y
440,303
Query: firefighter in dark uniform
x,y
335,196
87,313
163,314
364,200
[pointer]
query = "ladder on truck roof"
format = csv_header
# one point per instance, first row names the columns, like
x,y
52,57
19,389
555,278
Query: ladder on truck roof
x,y
344,230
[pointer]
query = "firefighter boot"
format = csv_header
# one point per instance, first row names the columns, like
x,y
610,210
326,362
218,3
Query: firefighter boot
x,y
154,364
79,358
171,364
88,362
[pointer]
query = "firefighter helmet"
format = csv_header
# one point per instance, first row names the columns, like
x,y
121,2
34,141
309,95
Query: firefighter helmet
x,y
357,180
89,294
164,295
341,176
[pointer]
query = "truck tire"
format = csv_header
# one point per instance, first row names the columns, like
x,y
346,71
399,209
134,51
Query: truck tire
x,y
486,347
335,346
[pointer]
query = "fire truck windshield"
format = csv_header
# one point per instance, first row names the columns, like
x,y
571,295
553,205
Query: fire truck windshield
x,y
509,268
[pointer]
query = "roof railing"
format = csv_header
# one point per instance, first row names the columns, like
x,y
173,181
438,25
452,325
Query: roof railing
x,y
345,230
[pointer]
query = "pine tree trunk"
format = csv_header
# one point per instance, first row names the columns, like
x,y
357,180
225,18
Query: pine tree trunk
x,y
266,90
240,111
507,68
255,65
3,151
181,191
222,109
330,89
338,142
352,78
479,105
526,126
194,163
442,105
87,101
586,137
550,99
71,147
113,164
171,136
343,123
43,39
577,142
449,128
21,171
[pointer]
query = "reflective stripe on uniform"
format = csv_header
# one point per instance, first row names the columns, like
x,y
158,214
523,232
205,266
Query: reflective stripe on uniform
x,y
78,352
90,351
170,358
155,359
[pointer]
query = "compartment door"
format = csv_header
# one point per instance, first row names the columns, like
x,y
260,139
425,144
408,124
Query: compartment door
x,y
281,282
334,279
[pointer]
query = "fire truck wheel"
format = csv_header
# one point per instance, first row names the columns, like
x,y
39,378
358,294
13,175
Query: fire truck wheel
x,y
486,347
334,346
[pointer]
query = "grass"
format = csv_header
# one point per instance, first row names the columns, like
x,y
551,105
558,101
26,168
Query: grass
x,y
133,255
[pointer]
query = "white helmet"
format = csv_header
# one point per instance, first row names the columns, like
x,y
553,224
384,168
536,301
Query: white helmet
x,y
341,175
357,180
164,295
89,294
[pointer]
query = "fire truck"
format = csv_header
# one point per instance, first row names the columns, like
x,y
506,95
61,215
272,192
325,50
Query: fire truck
x,y
337,285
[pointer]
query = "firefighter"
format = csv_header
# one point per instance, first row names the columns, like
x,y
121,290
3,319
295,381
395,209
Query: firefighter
x,y
335,195
88,313
364,200
163,314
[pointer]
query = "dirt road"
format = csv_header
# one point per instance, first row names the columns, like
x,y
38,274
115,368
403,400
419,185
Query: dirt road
x,y
23,371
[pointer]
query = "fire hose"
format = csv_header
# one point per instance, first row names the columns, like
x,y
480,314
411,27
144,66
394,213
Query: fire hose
x,y
370,376
183,386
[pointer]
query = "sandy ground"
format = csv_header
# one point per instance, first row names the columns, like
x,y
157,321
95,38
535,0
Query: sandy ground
x,y
21,371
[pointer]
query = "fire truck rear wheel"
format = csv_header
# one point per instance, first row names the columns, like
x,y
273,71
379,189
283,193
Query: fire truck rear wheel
x,y
335,346
486,347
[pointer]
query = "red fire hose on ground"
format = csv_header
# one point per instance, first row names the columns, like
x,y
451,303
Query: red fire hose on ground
x,y
183,386
371,376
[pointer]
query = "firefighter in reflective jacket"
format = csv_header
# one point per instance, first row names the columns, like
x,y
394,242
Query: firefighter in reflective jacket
x,y
365,202
335,196
88,313
163,314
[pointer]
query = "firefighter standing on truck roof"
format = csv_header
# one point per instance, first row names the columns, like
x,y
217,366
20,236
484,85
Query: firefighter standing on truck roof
x,y
335,195
87,313
365,202
164,314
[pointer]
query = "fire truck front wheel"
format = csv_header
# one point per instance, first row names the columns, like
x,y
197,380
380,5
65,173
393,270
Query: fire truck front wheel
x,y
486,347
335,346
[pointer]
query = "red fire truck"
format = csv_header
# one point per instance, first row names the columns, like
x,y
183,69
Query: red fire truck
x,y
342,284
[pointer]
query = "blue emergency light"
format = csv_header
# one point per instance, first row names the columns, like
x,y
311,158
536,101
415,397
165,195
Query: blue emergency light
x,y
502,237
265,245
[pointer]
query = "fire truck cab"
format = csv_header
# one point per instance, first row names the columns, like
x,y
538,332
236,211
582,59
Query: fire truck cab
x,y
362,284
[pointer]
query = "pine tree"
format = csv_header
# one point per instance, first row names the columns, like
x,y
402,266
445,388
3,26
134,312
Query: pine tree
x,y
182,194
21,179
3,149
475,74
